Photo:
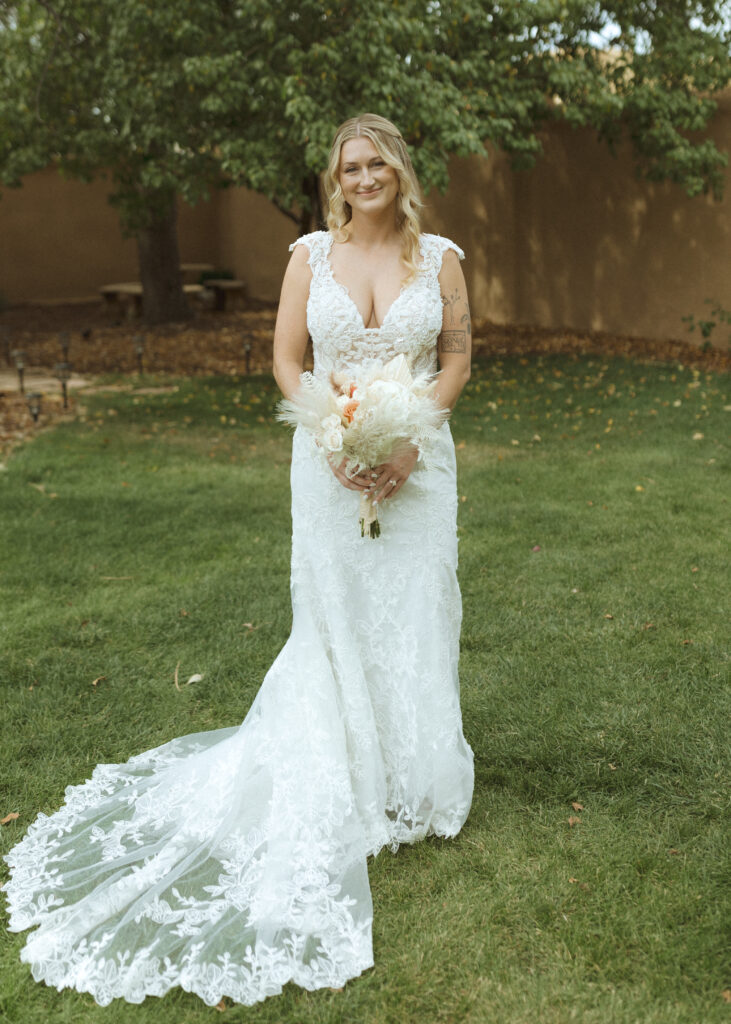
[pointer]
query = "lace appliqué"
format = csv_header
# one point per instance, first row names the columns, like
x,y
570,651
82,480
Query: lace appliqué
x,y
231,862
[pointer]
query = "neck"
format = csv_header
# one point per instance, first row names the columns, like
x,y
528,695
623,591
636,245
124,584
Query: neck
x,y
371,231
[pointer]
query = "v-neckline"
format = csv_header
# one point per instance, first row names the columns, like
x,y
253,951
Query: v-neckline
x,y
346,291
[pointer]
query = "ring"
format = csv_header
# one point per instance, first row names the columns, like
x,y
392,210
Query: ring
x,y
392,483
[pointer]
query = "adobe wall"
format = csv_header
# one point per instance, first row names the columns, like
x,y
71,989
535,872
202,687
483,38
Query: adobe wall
x,y
60,240
576,242
579,241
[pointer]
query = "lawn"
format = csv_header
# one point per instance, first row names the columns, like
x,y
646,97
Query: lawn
x,y
591,883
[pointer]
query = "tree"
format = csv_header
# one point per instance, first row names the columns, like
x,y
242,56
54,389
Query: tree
x,y
456,74
178,98
137,91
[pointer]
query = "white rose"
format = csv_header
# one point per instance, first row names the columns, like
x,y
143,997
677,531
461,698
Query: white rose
x,y
332,433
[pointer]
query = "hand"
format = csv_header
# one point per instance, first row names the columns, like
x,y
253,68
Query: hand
x,y
389,478
360,482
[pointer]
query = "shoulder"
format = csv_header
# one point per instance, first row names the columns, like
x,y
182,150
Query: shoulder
x,y
314,242
437,246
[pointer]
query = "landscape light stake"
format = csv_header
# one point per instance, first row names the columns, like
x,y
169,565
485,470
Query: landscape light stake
x,y
139,343
18,355
62,372
5,340
247,356
64,340
33,401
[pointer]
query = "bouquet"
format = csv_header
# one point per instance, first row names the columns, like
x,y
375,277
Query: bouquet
x,y
366,417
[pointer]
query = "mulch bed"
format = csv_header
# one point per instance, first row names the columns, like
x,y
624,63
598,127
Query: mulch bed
x,y
239,341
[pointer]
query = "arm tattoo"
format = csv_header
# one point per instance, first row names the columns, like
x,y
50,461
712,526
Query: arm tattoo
x,y
453,341
456,327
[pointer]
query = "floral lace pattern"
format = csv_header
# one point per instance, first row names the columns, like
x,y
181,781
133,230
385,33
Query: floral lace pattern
x,y
354,743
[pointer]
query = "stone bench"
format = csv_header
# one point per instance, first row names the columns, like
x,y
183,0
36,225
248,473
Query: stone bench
x,y
129,295
223,287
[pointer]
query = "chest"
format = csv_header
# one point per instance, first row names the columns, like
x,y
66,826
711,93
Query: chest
x,y
372,282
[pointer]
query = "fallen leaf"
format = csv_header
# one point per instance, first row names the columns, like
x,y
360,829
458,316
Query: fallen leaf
x,y
574,821
220,1006
536,547
694,569
673,850
698,436
577,806
649,625
461,445
573,880
608,615
9,817
194,679
612,767
687,642
639,487
183,612
97,680
726,995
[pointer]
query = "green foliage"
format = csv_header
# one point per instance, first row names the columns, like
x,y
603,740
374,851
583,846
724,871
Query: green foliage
x,y
184,96
718,316
592,671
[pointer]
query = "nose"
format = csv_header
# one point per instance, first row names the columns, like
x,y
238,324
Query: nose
x,y
367,177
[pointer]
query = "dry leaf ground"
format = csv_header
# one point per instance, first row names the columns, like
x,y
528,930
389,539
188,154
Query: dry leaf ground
x,y
238,342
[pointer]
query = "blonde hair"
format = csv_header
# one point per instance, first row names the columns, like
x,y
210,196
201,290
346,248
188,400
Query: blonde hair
x,y
391,147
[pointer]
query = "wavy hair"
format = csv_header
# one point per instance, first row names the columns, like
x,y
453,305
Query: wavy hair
x,y
391,147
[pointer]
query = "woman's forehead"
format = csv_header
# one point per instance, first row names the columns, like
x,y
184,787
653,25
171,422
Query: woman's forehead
x,y
358,150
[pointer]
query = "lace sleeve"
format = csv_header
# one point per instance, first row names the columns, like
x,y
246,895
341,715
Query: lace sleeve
x,y
314,243
434,247
447,243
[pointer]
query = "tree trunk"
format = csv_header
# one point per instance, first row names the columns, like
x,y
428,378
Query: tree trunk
x,y
163,298
311,218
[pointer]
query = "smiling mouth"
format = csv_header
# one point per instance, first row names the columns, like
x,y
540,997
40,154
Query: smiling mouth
x,y
371,193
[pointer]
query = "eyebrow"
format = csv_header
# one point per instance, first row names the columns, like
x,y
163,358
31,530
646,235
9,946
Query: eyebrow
x,y
354,163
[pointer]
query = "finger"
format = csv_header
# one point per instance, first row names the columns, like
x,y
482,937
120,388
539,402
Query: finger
x,y
385,485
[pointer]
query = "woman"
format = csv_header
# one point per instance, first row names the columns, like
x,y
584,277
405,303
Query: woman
x,y
354,741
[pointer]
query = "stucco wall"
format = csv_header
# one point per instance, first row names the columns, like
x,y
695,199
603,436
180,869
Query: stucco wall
x,y
579,241
60,239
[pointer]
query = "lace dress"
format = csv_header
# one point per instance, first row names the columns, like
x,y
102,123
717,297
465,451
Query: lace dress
x,y
354,743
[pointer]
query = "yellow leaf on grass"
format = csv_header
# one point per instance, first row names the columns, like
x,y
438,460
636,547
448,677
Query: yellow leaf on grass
x,y
577,806
9,817
573,820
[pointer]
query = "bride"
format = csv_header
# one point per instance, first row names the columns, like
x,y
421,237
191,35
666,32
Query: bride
x,y
354,741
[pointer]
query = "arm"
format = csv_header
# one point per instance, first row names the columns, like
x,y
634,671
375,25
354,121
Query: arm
x,y
290,344
455,342
290,330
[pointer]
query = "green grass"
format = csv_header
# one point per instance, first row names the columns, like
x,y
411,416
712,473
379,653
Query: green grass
x,y
156,532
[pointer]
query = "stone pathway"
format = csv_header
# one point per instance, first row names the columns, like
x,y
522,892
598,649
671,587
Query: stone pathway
x,y
37,379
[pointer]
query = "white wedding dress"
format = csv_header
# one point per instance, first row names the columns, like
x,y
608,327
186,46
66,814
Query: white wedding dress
x,y
231,862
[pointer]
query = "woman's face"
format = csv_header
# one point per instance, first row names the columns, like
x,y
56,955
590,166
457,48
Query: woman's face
x,y
369,184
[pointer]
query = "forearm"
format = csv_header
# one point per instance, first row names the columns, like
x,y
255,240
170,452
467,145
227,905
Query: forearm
x,y
450,382
287,371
